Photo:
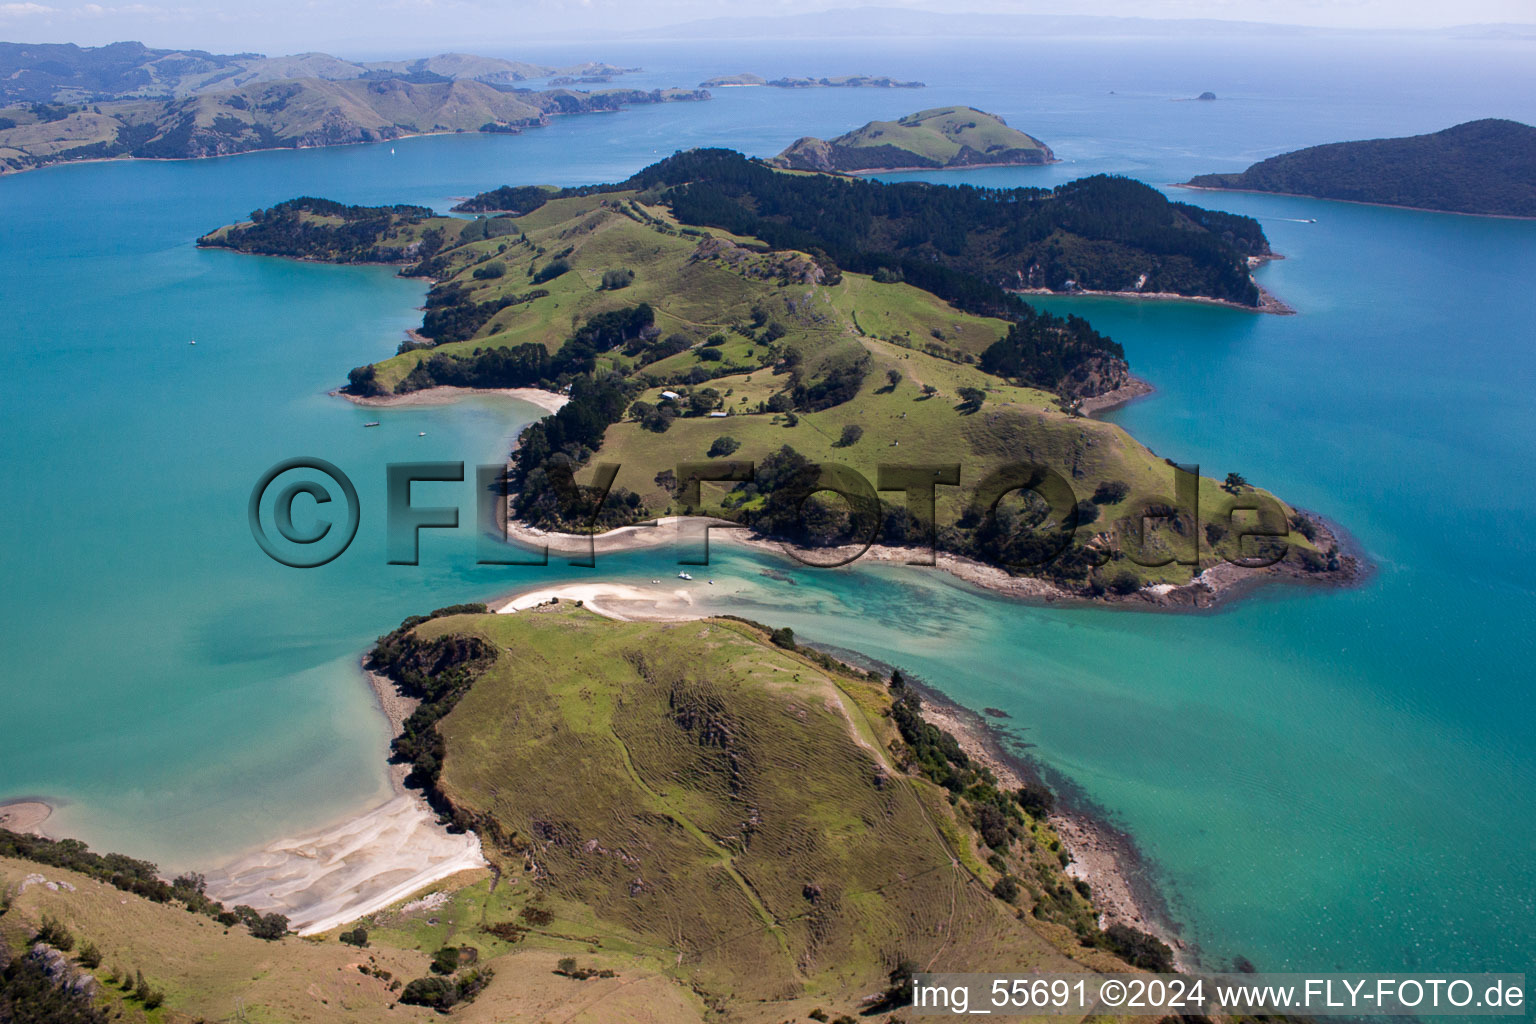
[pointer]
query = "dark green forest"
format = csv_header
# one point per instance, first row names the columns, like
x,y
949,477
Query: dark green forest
x,y
1486,167
967,244
362,237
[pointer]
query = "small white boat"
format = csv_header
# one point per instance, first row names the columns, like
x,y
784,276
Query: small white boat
x,y
373,424
192,342
422,434
684,576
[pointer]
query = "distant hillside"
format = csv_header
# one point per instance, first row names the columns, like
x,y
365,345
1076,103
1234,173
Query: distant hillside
x,y
64,72
1486,167
931,139
290,114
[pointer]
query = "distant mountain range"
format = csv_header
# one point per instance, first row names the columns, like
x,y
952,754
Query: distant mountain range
x,y
61,102
944,137
66,73
1485,167
883,21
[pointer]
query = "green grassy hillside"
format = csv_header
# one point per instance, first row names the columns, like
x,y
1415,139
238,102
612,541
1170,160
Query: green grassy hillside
x,y
938,138
1486,167
748,810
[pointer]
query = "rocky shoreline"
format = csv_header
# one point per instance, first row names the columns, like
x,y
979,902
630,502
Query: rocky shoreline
x,y
1118,876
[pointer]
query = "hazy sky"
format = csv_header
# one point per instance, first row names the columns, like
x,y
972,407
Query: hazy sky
x,y
413,26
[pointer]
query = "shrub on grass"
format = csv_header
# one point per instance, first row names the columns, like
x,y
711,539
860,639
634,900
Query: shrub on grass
x,y
613,280
550,271
1111,492
54,934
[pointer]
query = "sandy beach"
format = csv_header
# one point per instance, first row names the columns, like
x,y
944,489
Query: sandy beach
x,y
332,876
24,816
327,878
624,602
546,400
1268,301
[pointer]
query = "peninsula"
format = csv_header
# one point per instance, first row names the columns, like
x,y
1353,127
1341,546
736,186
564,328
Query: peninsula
x,y
60,102
1481,167
942,138
685,326
697,820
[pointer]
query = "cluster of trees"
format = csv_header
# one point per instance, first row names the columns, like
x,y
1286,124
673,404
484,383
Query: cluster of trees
x,y
1043,355
452,315
613,280
526,365
438,673
482,228
1031,533
361,237
442,994
551,270
514,199
140,877
837,383
550,451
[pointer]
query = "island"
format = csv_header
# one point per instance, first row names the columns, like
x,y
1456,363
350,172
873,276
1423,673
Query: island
x,y
683,821
733,81
62,102
1485,167
833,82
942,138
713,309
1207,96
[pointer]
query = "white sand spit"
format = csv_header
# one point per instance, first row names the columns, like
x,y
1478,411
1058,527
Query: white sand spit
x,y
656,602
333,876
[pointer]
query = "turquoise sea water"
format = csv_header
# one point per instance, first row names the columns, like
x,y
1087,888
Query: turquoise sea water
x,y
1319,779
